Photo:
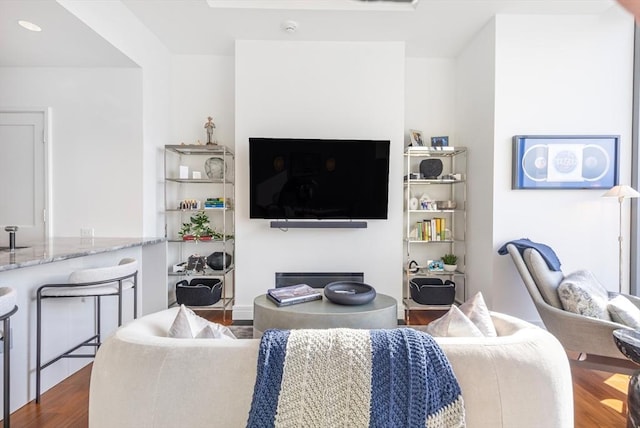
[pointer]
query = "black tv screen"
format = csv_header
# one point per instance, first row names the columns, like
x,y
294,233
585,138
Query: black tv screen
x,y
318,179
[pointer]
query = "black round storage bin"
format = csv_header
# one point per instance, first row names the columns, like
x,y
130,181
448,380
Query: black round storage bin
x,y
432,291
199,292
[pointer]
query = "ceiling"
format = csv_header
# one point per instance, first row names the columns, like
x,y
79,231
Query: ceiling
x,y
63,42
435,28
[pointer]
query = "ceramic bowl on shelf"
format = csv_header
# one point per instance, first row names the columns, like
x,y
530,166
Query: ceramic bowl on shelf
x,y
214,168
446,205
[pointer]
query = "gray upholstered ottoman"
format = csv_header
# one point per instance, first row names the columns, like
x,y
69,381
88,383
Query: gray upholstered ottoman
x,y
379,313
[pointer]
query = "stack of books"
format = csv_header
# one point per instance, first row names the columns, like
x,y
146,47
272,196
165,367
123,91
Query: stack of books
x,y
432,229
214,203
292,294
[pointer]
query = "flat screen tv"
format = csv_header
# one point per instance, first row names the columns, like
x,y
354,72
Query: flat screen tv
x,y
293,178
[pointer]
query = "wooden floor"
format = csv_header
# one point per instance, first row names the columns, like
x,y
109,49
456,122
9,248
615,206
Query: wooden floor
x,y
599,400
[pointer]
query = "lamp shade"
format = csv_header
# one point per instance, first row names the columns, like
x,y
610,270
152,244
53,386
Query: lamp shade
x,y
621,191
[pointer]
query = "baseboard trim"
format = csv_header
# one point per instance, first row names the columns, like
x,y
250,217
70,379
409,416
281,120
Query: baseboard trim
x,y
242,312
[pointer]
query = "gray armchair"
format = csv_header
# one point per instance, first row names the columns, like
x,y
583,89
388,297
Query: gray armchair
x,y
590,339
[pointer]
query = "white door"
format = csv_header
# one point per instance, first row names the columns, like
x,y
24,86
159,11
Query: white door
x,y
22,176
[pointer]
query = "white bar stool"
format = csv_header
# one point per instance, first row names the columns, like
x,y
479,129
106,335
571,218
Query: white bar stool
x,y
8,297
96,282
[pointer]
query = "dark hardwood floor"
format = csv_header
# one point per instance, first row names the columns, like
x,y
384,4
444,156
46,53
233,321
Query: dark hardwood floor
x,y
599,398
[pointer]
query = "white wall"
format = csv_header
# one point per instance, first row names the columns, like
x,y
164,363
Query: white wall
x,y
202,86
95,149
559,75
475,92
430,85
321,90
112,20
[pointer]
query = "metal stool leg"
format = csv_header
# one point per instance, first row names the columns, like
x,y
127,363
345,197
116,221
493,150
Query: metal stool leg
x,y
135,296
98,323
38,344
6,383
119,303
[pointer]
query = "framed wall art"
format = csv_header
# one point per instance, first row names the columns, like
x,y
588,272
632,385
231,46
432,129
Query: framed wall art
x,y
565,161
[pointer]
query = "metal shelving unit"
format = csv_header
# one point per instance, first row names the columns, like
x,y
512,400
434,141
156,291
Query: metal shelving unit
x,y
450,186
179,188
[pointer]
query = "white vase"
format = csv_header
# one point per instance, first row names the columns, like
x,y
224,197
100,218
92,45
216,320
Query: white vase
x,y
450,268
413,203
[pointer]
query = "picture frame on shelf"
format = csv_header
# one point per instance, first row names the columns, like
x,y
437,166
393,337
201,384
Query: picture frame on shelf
x,y
440,141
435,266
416,137
565,161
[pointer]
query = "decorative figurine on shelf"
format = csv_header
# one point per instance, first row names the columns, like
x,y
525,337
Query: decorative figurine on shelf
x,y
210,126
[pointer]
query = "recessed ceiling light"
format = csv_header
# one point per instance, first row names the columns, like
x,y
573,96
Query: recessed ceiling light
x,y
29,25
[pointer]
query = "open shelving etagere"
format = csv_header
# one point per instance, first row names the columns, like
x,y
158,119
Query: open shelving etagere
x,y
222,219
454,160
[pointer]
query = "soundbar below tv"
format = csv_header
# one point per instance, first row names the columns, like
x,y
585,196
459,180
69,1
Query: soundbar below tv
x,y
295,178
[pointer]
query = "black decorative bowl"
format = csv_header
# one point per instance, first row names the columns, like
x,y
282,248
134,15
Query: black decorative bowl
x,y
431,168
349,293
216,262
628,342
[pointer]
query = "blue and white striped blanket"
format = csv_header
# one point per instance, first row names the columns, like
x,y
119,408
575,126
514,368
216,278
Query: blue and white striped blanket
x,y
354,378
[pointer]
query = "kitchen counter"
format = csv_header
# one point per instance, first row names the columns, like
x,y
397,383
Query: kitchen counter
x,y
57,249
70,320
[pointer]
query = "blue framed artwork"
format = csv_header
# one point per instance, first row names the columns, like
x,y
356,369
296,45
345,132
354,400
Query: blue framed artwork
x,y
565,162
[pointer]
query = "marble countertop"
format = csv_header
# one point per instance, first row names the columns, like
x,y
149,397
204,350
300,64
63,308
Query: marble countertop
x,y
56,249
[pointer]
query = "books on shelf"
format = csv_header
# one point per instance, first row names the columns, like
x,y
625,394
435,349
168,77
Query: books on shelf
x,y
292,294
432,230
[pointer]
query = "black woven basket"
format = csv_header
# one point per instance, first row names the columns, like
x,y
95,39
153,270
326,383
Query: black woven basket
x,y
199,292
432,291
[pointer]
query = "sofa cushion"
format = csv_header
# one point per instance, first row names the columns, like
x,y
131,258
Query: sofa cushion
x,y
546,279
188,325
580,292
453,324
623,311
476,310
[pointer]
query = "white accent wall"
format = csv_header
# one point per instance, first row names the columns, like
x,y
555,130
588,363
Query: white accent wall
x,y
95,150
119,26
318,90
475,120
562,75
202,86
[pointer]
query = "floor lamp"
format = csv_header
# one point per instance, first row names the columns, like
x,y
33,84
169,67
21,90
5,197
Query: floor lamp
x,y
621,192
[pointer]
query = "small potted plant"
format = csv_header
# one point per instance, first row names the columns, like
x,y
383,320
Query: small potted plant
x,y
197,229
450,262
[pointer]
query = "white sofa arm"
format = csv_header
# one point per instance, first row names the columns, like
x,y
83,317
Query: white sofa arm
x,y
520,379
141,379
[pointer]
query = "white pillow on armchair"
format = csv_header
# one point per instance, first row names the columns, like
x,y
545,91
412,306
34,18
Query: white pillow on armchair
x,y
581,293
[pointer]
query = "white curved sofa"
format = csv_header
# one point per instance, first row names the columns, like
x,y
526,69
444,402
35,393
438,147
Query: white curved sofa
x,y
141,378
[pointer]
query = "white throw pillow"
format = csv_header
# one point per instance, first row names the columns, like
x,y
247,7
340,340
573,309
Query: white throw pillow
x,y
623,311
454,324
188,325
476,310
581,293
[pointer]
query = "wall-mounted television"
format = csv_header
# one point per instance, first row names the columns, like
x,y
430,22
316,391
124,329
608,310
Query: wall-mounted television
x,y
296,178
